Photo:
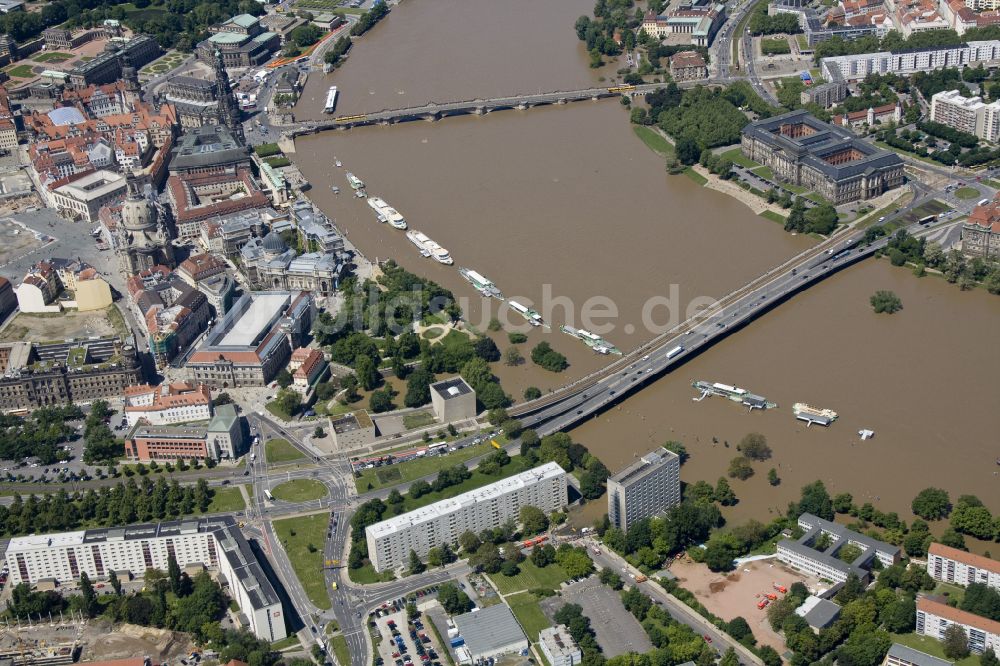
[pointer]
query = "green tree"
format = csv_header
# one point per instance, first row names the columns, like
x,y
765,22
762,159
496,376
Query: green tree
x,y
486,349
533,520
415,565
954,642
740,468
88,595
754,446
284,378
772,477
469,542
885,301
532,393
517,338
931,504
174,574
453,600
730,658
724,494
367,372
380,401
288,401
512,357
548,358
418,391
687,150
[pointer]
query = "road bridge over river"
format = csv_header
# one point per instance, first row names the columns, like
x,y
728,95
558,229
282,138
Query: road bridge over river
x,y
435,111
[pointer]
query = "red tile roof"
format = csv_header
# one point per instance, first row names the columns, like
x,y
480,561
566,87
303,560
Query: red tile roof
x,y
928,605
978,561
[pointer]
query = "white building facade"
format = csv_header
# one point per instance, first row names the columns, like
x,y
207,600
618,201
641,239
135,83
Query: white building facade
x,y
934,618
961,568
390,541
559,647
967,114
647,487
167,404
858,66
101,553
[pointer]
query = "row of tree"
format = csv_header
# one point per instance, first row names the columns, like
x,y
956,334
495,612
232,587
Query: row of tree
x,y
122,504
956,267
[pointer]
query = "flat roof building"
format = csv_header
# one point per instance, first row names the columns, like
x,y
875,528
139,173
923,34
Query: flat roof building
x,y
934,618
559,647
647,487
900,655
491,632
214,542
390,541
802,554
352,430
818,613
957,566
453,400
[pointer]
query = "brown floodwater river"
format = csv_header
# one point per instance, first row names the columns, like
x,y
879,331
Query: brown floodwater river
x,y
568,212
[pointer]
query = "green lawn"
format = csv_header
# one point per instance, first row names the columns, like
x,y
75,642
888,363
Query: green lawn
x,y
931,646
52,56
278,411
955,592
737,156
299,490
286,642
530,577
967,193
654,141
367,575
418,420
227,500
775,46
21,71
339,645
280,450
774,217
383,477
529,614
695,176
764,172
992,183
803,42
296,536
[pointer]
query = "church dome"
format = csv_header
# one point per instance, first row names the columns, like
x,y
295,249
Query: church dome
x,y
137,214
274,243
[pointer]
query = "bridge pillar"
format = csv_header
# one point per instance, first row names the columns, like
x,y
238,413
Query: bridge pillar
x,y
286,143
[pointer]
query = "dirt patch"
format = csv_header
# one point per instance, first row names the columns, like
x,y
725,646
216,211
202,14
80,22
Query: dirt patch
x,y
738,592
130,640
62,326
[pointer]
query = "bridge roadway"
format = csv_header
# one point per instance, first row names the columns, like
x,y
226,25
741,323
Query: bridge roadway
x,y
436,111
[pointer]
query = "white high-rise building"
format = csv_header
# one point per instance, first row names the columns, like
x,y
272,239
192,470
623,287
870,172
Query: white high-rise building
x,y
647,487
390,541
101,553
966,114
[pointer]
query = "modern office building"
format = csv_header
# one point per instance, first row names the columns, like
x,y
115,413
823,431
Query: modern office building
x,y
453,400
216,543
179,402
830,160
491,632
805,556
900,655
647,487
825,94
254,340
967,114
961,568
221,438
559,647
390,541
934,617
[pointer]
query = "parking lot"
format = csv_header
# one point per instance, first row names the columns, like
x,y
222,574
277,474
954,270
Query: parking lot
x,y
405,642
617,630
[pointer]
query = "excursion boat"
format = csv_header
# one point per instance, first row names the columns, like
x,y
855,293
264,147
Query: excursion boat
x,y
734,393
355,182
483,285
331,101
387,213
595,342
811,415
533,317
429,248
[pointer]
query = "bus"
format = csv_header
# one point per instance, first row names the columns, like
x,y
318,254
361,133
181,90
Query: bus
x,y
268,495
675,351
928,219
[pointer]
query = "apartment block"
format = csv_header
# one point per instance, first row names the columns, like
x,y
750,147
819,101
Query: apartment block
x,y
179,402
961,568
910,61
804,554
966,114
216,543
559,647
647,487
900,655
390,541
934,617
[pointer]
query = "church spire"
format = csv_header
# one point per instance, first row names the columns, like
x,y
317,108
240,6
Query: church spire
x,y
229,110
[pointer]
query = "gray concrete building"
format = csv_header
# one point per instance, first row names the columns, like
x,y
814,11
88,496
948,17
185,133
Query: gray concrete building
x,y
647,487
453,400
491,632
805,553
559,647
353,430
390,541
